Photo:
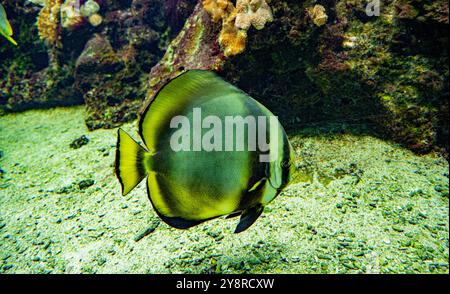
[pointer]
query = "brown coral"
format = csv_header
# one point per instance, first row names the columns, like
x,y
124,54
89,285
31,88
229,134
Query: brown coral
x,y
237,20
48,23
231,38
218,9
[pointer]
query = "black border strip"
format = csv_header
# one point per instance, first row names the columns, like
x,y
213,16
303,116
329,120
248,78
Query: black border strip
x,y
293,283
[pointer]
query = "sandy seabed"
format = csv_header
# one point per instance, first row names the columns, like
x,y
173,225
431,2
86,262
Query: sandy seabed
x,y
360,205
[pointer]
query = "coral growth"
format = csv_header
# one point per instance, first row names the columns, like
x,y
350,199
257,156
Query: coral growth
x,y
48,23
237,20
311,66
89,10
113,67
113,85
423,10
95,19
70,15
388,72
217,8
252,12
317,14
231,38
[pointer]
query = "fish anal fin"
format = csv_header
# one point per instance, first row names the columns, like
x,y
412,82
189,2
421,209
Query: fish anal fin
x,y
165,214
180,223
248,217
176,222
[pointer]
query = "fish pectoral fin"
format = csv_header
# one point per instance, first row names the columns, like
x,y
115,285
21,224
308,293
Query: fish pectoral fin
x,y
258,185
248,217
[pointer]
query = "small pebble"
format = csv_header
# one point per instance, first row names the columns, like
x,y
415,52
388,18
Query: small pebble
x,y
81,141
85,184
7,267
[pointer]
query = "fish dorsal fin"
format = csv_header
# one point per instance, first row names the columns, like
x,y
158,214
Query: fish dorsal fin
x,y
178,97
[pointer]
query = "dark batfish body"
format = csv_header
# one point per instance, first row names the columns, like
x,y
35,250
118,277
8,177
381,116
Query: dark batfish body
x,y
189,187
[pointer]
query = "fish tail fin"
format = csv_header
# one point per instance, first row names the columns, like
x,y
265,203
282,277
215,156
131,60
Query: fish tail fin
x,y
130,168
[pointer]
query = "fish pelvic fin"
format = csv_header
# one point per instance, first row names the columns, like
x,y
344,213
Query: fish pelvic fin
x,y
248,217
130,159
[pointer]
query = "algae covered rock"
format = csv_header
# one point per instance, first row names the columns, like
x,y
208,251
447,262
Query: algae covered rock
x,y
112,70
28,79
382,71
100,75
335,63
195,47
314,63
53,63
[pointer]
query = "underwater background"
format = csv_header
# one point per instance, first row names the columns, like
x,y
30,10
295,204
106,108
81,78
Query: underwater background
x,y
361,89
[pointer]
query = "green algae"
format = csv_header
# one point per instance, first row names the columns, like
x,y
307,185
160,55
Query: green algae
x,y
381,209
